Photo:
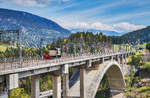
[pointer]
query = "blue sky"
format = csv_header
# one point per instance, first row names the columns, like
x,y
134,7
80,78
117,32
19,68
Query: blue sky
x,y
113,15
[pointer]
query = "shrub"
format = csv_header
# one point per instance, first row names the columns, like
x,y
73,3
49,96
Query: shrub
x,y
137,60
19,93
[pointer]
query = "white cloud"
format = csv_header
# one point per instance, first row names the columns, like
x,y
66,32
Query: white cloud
x,y
34,3
124,26
31,3
101,26
121,17
96,25
119,27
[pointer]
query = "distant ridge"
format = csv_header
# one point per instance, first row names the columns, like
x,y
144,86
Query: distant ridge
x,y
35,27
105,32
142,35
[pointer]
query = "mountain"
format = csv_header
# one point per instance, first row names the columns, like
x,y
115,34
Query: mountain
x,y
108,33
34,27
142,35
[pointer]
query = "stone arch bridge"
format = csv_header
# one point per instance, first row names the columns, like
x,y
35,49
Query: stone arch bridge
x,y
84,82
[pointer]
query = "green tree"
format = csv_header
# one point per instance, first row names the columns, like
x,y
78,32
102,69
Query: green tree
x,y
136,60
11,52
2,54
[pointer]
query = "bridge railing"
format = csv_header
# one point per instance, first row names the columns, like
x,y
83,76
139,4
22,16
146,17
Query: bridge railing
x,y
15,63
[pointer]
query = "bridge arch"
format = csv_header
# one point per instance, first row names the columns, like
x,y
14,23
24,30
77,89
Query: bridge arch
x,y
94,77
114,74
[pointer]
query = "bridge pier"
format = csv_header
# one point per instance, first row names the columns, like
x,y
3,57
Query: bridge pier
x,y
35,86
56,80
89,63
121,60
12,82
103,59
118,59
112,58
66,86
83,82
65,72
125,59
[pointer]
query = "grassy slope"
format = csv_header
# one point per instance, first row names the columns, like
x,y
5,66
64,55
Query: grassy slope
x,y
3,47
116,47
138,89
142,92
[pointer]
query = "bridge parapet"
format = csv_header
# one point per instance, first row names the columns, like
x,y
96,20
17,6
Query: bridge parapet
x,y
13,65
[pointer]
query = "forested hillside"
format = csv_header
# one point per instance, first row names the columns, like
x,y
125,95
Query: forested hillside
x,y
34,27
142,35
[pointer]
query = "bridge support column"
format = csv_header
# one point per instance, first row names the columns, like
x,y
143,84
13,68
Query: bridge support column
x,y
12,82
103,60
89,63
35,86
66,86
65,72
117,59
56,79
82,83
125,59
121,60
112,58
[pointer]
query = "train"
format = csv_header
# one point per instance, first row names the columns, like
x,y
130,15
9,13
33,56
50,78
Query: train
x,y
53,53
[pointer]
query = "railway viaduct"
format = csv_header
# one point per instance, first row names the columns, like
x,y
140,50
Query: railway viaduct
x,y
84,82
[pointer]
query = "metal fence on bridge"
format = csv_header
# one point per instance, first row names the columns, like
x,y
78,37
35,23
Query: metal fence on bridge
x,y
14,63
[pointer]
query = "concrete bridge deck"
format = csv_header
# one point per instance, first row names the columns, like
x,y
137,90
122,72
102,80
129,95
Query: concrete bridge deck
x,y
58,68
